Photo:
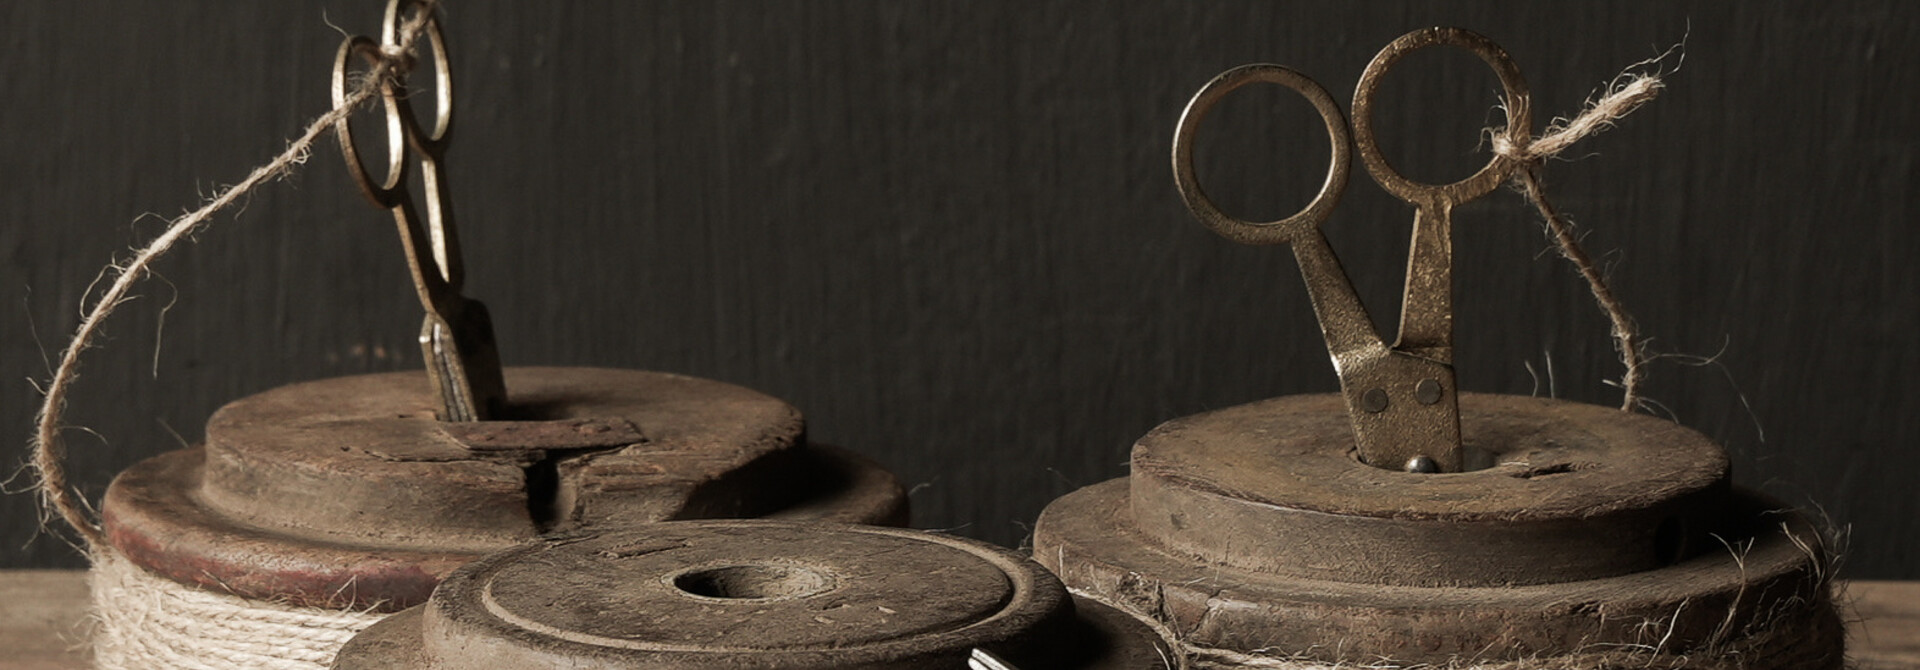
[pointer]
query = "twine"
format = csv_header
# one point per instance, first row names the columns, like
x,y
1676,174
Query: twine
x,y
1626,93
48,451
1782,641
143,621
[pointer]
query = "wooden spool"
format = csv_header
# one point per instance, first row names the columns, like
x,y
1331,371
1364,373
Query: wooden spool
x,y
347,493
1256,530
754,594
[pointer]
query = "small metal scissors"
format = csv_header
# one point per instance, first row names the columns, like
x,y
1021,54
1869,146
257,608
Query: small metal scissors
x,y
457,336
1402,400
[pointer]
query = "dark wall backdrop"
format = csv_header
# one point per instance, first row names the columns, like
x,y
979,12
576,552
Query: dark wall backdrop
x,y
948,232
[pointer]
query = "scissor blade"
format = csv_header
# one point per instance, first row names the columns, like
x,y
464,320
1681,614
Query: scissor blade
x,y
985,660
1426,308
462,361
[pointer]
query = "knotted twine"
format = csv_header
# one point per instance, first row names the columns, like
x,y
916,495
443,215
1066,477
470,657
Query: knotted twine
x,y
1626,93
145,621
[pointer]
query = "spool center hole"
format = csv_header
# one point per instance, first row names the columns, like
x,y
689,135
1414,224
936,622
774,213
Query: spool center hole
x,y
766,581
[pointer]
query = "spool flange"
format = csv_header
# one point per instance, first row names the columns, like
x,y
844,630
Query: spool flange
x,y
753,594
1256,528
348,493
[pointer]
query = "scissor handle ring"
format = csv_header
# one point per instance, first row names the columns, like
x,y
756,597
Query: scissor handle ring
x,y
387,192
1519,115
1284,230
442,72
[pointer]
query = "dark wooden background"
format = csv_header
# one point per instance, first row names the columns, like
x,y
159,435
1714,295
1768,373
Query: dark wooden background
x,y
948,232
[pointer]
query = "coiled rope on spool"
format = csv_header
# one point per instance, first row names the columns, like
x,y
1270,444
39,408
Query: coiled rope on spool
x,y
142,620
1780,644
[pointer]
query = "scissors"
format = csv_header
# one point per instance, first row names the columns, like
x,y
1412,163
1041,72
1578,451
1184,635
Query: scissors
x,y
456,338
1401,399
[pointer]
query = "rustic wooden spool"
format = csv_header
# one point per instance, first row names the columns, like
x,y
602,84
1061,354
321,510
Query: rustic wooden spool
x,y
754,594
1256,529
347,493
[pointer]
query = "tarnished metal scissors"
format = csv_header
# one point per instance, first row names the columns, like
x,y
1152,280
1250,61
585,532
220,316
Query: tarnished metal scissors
x,y
1402,399
982,659
457,336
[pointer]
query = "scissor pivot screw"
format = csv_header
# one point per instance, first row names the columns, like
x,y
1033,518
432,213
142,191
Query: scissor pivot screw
x,y
1422,465
1374,401
1427,391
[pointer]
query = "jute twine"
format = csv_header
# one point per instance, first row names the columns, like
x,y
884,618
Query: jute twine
x,y
1810,638
143,621
1624,94
48,450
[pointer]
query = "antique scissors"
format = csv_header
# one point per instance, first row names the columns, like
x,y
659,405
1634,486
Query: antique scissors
x,y
982,659
456,338
1401,399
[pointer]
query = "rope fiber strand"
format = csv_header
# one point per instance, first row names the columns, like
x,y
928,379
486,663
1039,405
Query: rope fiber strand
x,y
142,620
1628,92
48,451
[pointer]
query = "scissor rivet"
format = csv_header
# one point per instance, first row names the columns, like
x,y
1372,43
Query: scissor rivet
x,y
1374,401
1427,391
1422,465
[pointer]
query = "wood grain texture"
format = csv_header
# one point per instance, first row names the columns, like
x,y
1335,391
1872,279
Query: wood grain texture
x,y
947,231
1885,634
43,625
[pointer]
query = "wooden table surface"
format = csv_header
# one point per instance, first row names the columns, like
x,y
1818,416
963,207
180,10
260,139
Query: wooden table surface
x,y
41,614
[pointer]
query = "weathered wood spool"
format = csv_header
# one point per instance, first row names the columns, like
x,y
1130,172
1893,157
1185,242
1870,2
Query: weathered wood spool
x,y
1402,523
754,594
348,493
313,509
1582,532
360,493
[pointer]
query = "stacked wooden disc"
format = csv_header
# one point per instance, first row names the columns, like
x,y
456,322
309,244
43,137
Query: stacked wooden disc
x,y
1579,534
347,493
755,594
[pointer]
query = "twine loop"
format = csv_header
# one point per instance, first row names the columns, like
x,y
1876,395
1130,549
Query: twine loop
x,y
1627,92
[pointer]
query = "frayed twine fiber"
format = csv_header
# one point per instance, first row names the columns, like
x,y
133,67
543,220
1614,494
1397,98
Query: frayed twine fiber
x,y
1626,93
48,450
1780,646
1803,632
1812,640
142,621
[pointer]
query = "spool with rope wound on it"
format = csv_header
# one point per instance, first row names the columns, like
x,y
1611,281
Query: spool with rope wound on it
x,y
1555,535
347,499
755,594
347,493
1254,530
